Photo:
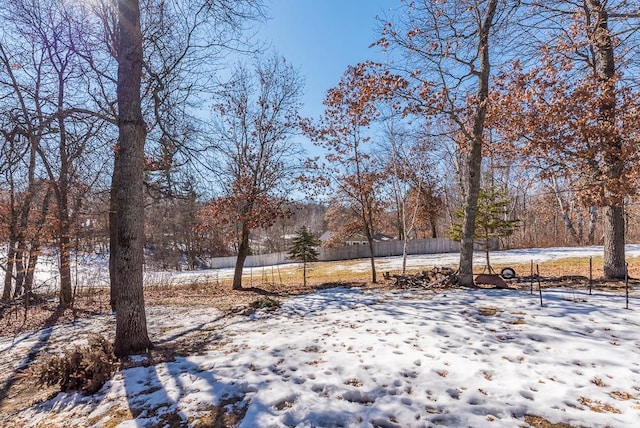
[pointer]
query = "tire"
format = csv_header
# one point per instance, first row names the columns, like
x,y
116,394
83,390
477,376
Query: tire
x,y
508,273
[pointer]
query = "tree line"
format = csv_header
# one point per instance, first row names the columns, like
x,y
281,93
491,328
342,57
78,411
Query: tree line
x,y
121,133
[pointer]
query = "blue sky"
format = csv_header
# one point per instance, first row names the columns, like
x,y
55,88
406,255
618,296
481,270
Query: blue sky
x,y
322,37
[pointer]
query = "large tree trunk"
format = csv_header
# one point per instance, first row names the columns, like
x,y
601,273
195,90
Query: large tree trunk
x,y
243,252
113,234
614,256
474,161
612,164
131,321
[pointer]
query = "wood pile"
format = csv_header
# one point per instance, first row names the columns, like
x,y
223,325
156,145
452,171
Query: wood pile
x,y
436,276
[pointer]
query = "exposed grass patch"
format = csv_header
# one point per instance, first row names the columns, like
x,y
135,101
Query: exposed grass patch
x,y
488,311
597,406
539,422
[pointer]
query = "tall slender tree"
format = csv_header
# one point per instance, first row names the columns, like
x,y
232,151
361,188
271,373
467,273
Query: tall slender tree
x,y
350,169
448,46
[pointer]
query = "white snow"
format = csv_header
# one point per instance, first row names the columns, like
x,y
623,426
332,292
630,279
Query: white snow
x,y
370,358
352,357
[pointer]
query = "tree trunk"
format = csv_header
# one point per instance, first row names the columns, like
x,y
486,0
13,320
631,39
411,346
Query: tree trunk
x,y
304,271
474,161
34,250
612,164
8,274
372,258
614,255
19,266
131,321
243,252
66,291
404,255
367,216
434,230
113,235
593,222
565,211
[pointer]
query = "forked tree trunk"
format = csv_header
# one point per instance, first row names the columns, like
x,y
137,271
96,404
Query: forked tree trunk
x,y
131,321
564,210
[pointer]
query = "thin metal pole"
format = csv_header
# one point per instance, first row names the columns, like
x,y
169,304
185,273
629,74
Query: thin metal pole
x,y
626,283
590,274
539,286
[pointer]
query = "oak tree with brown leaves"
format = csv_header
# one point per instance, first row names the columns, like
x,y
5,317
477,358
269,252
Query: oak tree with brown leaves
x,y
574,111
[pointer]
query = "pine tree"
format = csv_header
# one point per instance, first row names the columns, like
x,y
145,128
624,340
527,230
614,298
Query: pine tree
x,y
491,219
303,248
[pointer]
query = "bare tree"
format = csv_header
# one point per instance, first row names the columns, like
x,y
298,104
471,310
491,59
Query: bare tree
x,y
25,126
253,155
409,161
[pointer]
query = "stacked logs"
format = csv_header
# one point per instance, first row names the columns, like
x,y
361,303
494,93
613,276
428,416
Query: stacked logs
x,y
436,276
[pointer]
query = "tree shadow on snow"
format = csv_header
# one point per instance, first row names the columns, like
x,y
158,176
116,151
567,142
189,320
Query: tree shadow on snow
x,y
159,394
43,337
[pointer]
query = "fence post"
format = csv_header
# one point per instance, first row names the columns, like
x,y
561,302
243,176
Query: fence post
x,y
539,285
590,274
626,283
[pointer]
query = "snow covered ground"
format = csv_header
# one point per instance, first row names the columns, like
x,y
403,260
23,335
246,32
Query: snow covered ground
x,y
364,358
92,270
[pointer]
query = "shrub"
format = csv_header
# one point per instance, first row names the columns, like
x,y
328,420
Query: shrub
x,y
85,369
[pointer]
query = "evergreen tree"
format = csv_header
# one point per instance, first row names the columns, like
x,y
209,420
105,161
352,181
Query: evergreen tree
x,y
303,248
492,219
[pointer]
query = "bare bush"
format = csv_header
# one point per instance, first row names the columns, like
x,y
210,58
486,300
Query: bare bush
x,y
83,368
